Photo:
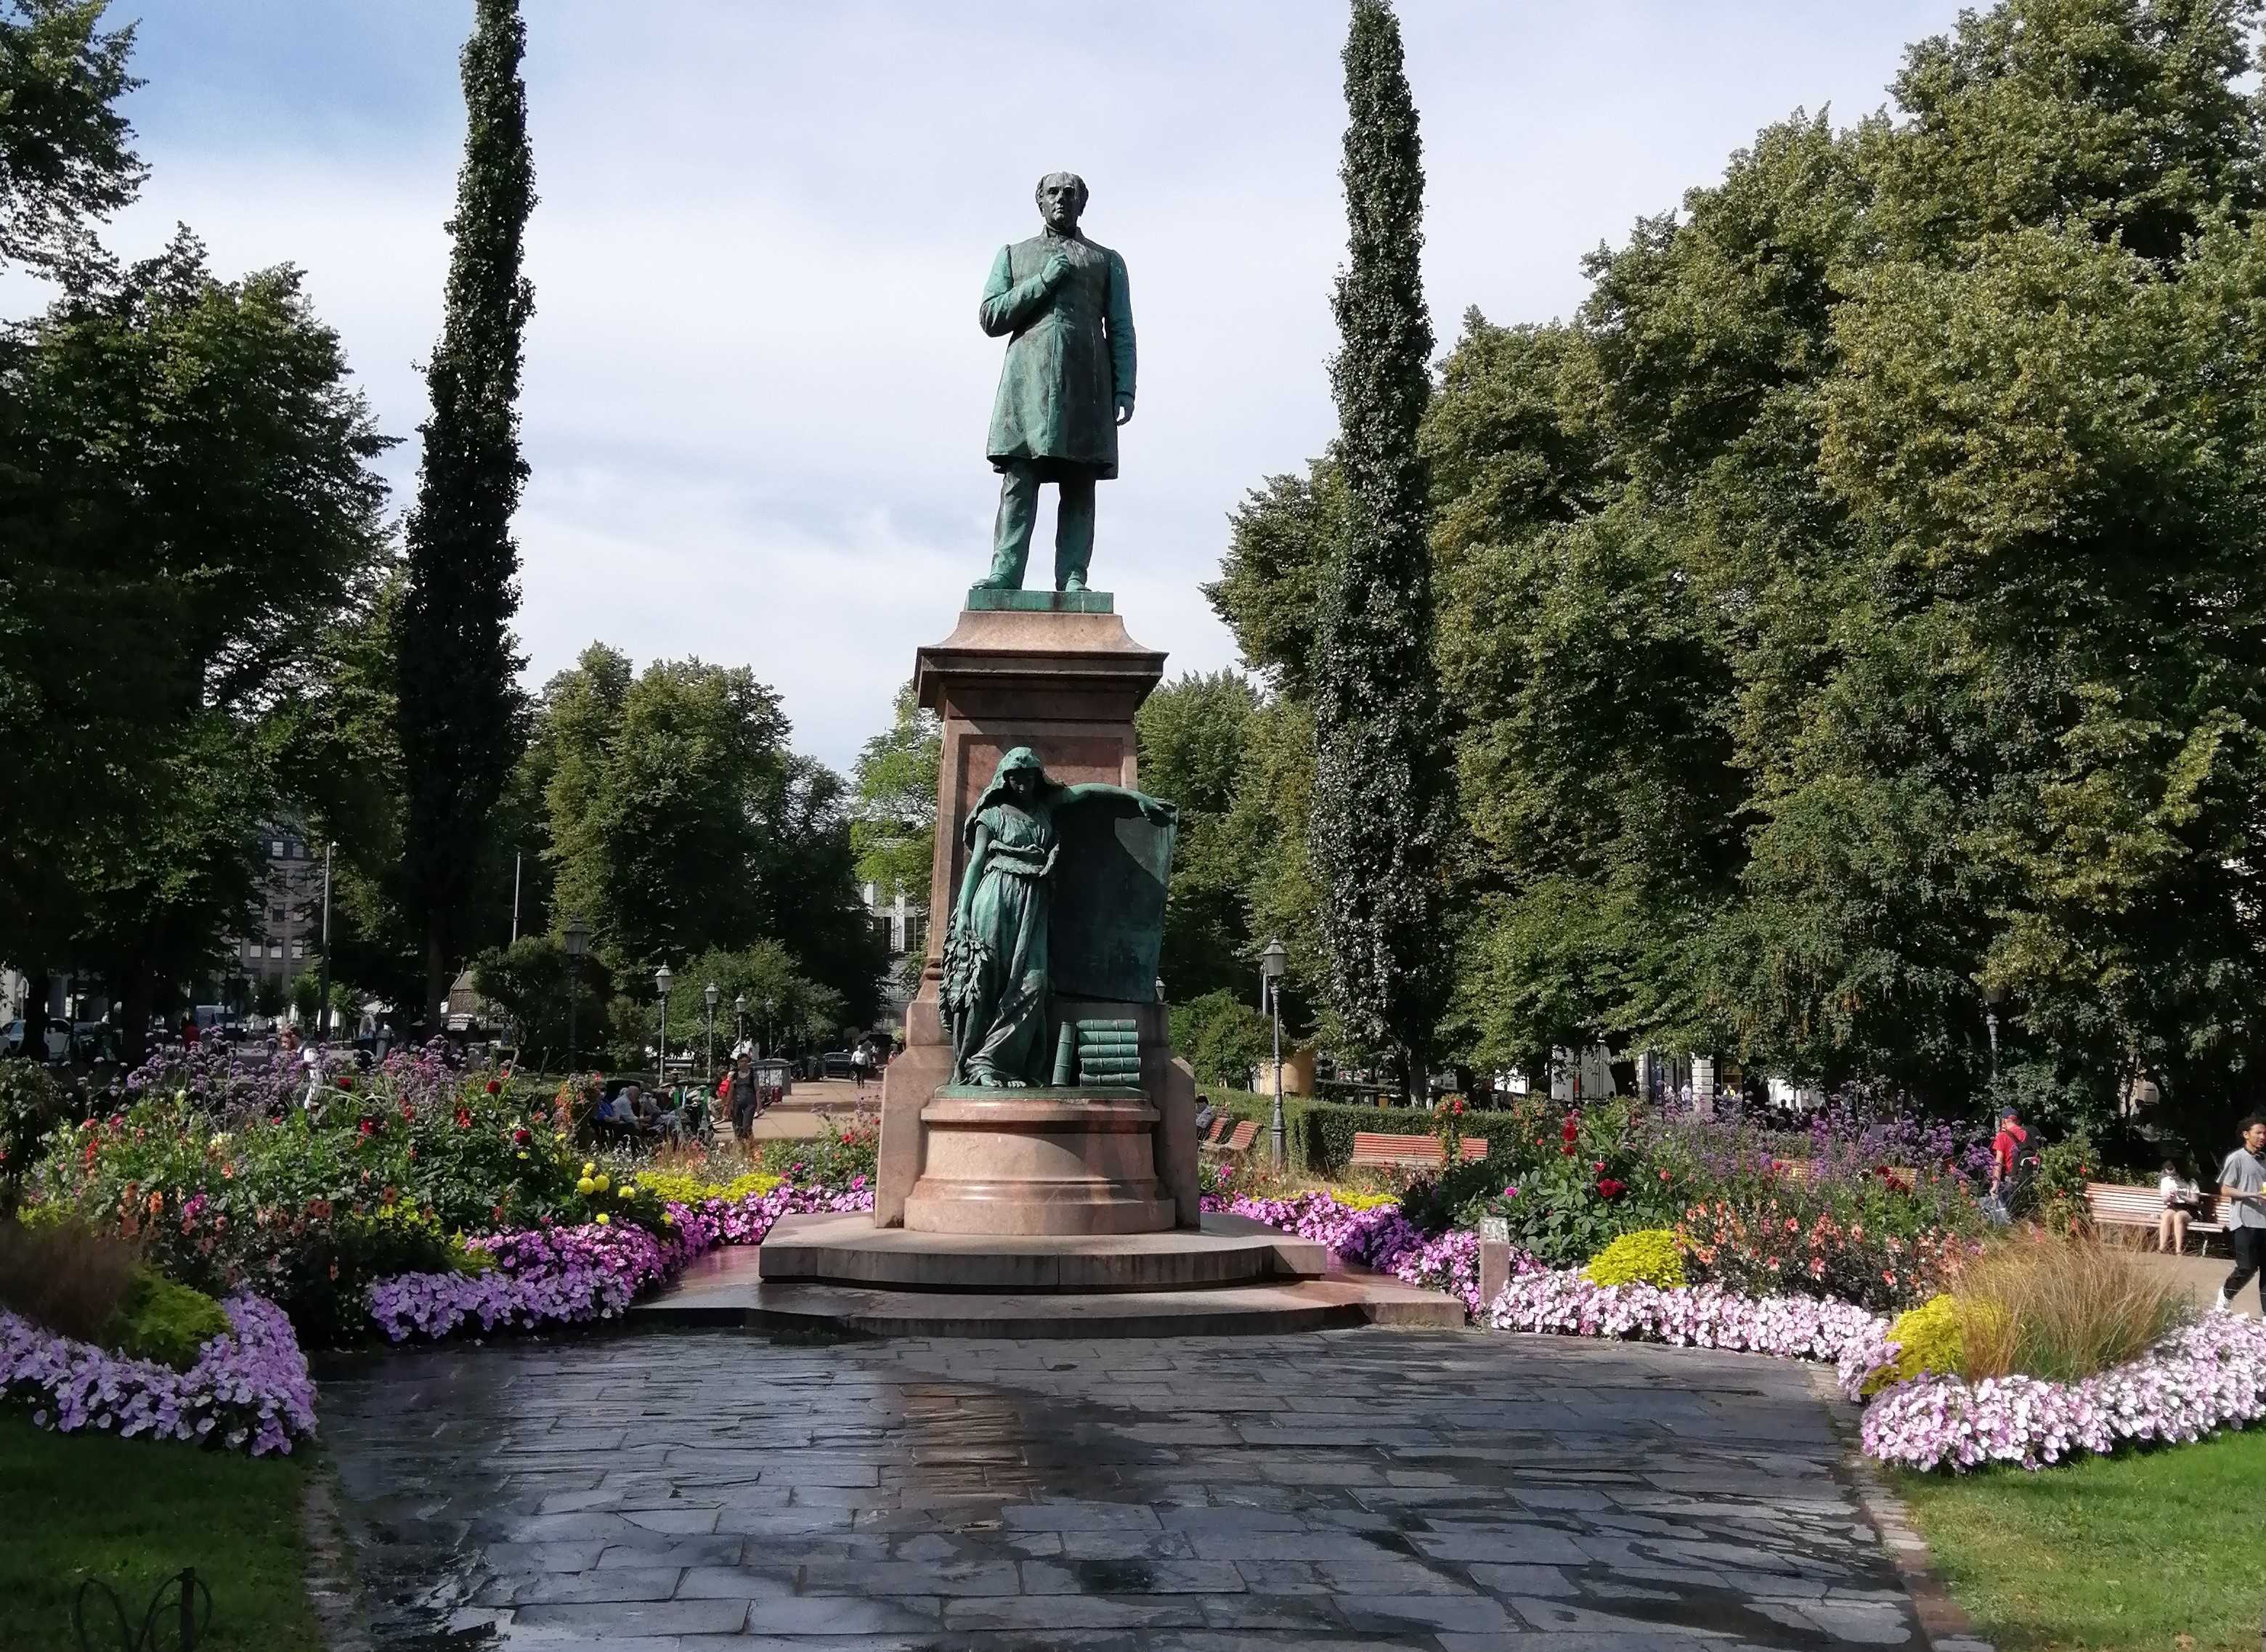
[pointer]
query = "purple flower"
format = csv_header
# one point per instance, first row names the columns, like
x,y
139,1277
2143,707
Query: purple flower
x,y
249,1389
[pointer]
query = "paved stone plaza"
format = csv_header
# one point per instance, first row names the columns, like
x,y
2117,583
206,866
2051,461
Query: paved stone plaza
x,y
1453,1491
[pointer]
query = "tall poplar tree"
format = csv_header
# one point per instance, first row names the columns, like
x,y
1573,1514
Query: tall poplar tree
x,y
461,713
1382,798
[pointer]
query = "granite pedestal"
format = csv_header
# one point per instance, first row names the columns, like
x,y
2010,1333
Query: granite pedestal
x,y
1056,672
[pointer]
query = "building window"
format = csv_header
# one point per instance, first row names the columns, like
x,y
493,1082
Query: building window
x,y
275,848
298,949
274,949
278,915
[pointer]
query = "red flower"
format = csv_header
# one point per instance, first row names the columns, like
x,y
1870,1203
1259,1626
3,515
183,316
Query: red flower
x,y
522,1137
345,1083
1611,1189
464,1118
1568,1150
494,1087
1664,1175
1599,1166
370,1126
1571,1130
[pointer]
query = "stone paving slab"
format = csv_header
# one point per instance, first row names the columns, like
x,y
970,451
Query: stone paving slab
x,y
1453,1492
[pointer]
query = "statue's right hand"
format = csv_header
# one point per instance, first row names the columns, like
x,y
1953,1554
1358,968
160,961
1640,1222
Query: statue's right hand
x,y
1057,266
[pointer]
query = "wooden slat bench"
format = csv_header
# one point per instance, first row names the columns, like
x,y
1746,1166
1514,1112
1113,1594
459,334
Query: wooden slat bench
x,y
1376,1148
1238,1140
2112,1205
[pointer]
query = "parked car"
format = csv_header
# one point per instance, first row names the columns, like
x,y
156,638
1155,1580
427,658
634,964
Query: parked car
x,y
58,1039
835,1064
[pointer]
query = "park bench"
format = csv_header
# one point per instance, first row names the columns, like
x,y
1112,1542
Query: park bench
x,y
1372,1148
1798,1170
1241,1134
1217,1128
2110,1205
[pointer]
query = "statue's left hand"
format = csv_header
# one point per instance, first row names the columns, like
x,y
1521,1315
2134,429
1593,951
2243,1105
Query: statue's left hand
x,y
1125,410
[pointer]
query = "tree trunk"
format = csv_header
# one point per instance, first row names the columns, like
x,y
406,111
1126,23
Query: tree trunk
x,y
137,995
36,991
436,980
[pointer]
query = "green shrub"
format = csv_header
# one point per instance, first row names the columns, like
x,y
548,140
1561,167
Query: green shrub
x,y
1225,1040
163,1321
1649,1256
837,1158
1931,1335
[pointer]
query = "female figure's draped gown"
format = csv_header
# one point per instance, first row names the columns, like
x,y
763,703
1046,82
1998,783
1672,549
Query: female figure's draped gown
x,y
1006,926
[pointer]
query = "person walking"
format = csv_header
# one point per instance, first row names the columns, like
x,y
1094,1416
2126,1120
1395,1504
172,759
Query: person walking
x,y
2180,1198
741,1097
860,1059
2009,1152
2242,1199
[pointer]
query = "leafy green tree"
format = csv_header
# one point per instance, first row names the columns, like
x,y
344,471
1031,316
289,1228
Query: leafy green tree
x,y
1191,735
64,154
1285,541
1223,1038
788,1012
460,710
679,823
530,981
1382,804
174,589
892,801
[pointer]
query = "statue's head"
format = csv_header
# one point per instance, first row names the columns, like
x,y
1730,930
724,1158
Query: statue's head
x,y
1061,201
1020,772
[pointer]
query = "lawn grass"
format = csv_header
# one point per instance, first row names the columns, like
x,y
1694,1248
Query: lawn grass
x,y
2153,1551
134,1512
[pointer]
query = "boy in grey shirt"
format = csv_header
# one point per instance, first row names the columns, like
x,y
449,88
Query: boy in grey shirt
x,y
2243,1200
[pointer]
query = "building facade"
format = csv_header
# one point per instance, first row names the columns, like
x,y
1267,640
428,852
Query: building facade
x,y
286,937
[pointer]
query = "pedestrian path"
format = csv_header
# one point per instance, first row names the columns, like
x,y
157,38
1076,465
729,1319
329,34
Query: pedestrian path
x,y
1453,1492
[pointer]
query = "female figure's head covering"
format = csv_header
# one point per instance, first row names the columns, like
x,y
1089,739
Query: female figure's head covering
x,y
1022,759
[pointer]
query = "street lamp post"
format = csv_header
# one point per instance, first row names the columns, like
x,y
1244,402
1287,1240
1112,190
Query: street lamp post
x,y
1272,963
578,942
322,975
709,994
738,1024
1992,997
764,1030
661,980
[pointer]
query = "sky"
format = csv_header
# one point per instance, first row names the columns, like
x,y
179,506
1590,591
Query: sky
x,y
755,394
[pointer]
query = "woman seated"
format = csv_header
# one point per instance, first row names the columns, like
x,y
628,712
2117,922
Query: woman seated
x,y
2181,1198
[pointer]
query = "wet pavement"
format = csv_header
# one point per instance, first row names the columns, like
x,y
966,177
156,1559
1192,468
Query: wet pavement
x,y
1459,1492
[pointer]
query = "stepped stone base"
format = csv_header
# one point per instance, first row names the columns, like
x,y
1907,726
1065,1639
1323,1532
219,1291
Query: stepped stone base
x,y
727,1289
849,1250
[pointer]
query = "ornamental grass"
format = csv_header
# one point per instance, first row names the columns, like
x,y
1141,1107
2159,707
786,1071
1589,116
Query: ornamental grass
x,y
2046,1305
66,1275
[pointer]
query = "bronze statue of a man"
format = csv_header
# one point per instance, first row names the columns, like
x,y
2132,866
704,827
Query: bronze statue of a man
x,y
1068,383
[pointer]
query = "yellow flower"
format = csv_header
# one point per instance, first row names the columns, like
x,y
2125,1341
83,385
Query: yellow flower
x,y
523,1153
585,1187
603,1182
667,1219
603,1218
589,1166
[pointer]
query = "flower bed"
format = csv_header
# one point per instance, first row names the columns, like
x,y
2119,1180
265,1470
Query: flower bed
x,y
2197,1381
1701,1316
568,1276
249,1389
1376,1235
